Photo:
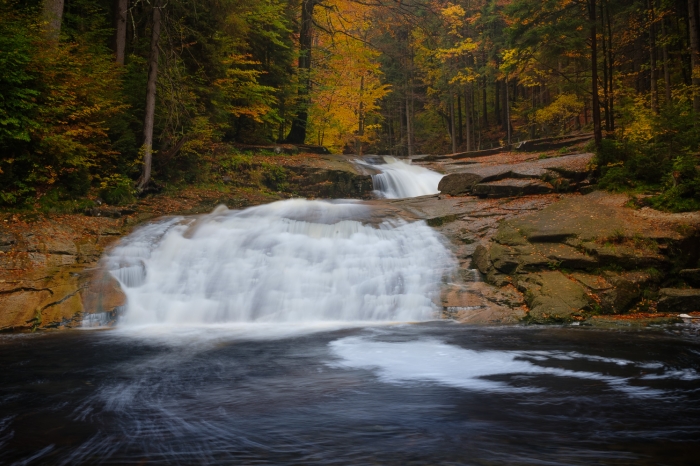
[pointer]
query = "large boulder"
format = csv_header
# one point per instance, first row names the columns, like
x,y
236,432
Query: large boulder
x,y
679,300
553,297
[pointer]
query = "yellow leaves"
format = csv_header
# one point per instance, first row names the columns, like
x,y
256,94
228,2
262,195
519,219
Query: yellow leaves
x,y
462,48
558,113
641,129
346,76
454,18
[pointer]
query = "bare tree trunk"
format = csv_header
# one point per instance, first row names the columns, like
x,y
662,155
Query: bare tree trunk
x,y
52,14
453,132
297,133
468,115
606,96
484,104
150,99
694,53
597,130
508,112
120,30
654,78
409,135
667,72
459,119
611,96
497,102
361,119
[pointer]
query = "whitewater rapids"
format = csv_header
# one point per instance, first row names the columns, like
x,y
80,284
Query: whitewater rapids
x,y
399,179
290,261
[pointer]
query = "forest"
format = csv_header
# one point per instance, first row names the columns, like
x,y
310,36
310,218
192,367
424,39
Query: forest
x,y
114,98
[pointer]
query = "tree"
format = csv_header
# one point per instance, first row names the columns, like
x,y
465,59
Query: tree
x,y
120,7
149,116
297,133
53,17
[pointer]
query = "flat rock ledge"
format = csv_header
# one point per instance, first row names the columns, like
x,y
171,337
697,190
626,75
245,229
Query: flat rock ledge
x,y
561,174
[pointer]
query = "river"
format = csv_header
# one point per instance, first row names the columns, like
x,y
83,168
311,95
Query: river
x,y
308,332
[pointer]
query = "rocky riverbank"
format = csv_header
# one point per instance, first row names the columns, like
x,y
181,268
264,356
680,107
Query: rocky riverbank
x,y
534,242
550,249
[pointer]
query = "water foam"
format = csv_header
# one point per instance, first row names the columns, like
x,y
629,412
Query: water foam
x,y
399,180
429,360
291,261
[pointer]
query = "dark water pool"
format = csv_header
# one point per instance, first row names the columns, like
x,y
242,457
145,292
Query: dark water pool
x,y
434,393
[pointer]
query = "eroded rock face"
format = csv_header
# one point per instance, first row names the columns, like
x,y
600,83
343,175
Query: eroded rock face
x,y
586,254
49,276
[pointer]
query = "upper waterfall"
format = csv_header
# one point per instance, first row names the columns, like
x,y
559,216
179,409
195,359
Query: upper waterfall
x,y
399,179
289,261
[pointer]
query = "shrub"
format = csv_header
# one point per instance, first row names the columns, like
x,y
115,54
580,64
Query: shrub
x,y
117,190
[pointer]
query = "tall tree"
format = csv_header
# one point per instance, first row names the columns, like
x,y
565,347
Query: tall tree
x,y
597,130
694,33
52,13
149,116
120,13
297,133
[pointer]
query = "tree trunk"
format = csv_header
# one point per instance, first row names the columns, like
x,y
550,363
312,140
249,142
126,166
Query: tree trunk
x,y
611,96
459,119
360,119
52,14
453,132
484,105
497,102
508,113
297,133
667,72
120,30
606,96
694,53
654,78
468,117
150,99
597,130
409,135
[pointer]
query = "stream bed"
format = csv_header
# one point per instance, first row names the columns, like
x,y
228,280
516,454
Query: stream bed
x,y
342,393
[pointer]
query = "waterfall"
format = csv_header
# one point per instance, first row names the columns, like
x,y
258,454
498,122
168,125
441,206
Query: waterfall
x,y
399,179
289,261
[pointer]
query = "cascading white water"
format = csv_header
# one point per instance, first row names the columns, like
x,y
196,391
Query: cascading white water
x,y
399,180
289,261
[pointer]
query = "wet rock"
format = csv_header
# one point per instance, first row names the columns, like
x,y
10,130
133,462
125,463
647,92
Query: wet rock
x,y
553,297
679,300
511,188
101,292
